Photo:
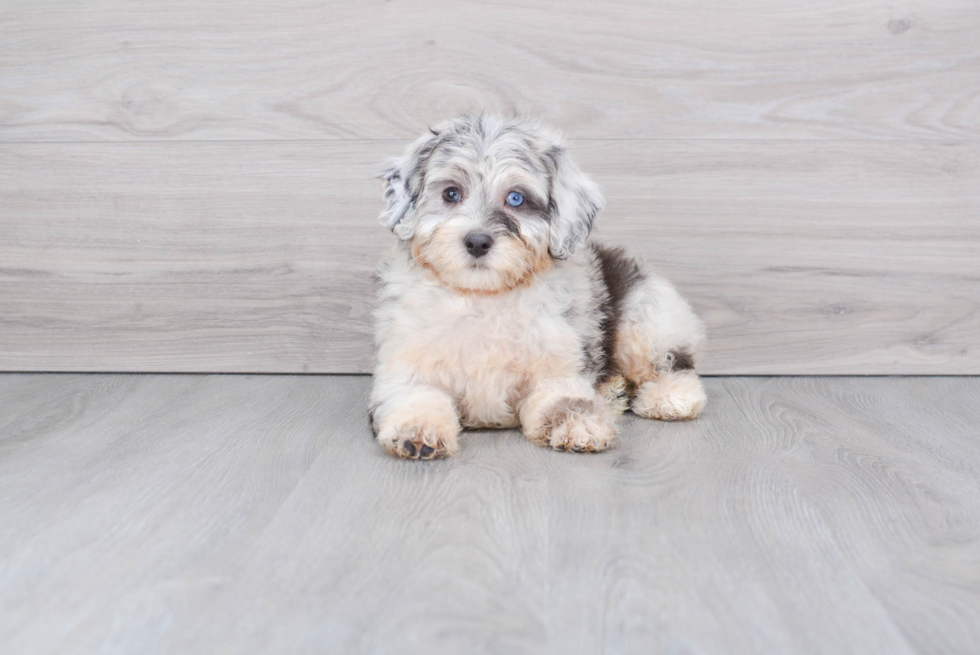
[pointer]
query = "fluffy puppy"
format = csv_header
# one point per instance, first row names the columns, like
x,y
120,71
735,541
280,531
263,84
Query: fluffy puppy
x,y
497,311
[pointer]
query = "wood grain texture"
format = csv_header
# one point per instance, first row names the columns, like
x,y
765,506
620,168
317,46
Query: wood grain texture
x,y
802,257
203,514
220,70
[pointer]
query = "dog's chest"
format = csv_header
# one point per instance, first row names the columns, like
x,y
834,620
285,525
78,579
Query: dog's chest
x,y
488,352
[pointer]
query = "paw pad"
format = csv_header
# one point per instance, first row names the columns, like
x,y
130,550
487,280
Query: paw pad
x,y
418,443
411,450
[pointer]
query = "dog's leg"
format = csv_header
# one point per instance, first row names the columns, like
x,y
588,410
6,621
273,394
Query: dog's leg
x,y
415,421
657,342
567,414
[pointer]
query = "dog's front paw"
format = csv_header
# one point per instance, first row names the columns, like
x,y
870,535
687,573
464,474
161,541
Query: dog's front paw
x,y
577,424
672,397
420,441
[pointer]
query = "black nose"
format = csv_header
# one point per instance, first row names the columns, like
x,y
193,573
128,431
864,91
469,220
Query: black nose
x,y
478,243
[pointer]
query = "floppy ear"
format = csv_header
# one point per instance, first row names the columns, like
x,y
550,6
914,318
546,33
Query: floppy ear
x,y
402,178
575,201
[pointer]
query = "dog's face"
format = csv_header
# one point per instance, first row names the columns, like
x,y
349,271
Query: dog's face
x,y
487,203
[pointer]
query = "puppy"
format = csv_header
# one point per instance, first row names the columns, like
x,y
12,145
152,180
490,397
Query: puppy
x,y
497,311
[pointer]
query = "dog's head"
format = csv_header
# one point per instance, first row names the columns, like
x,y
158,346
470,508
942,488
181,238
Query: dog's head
x,y
486,203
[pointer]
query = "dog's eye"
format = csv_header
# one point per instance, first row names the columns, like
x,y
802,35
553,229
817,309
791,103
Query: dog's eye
x,y
452,194
515,199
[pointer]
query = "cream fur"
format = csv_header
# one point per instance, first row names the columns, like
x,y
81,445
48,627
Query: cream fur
x,y
674,396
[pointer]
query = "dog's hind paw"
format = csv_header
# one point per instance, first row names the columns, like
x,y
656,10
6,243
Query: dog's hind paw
x,y
675,396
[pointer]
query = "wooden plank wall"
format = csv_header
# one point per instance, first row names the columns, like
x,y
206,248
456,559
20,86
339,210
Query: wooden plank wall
x,y
187,186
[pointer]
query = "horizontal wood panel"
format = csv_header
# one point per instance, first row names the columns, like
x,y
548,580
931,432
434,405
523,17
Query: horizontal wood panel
x,y
802,257
230,70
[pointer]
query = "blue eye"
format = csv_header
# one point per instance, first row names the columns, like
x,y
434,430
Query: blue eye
x,y
452,194
515,199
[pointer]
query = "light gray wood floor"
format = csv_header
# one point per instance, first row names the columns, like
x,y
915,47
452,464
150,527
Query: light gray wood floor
x,y
210,514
